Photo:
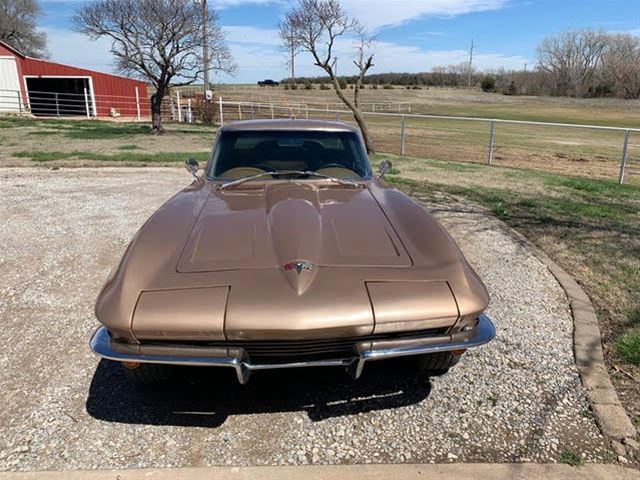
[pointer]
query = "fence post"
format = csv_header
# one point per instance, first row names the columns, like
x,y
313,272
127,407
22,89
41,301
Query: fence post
x,y
138,104
57,106
272,112
623,159
221,115
402,136
189,114
86,102
179,107
490,156
239,111
337,116
19,103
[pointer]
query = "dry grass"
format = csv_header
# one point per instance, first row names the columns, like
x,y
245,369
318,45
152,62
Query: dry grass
x,y
575,151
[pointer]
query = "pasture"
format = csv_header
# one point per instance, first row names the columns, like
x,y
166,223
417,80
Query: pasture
x,y
575,151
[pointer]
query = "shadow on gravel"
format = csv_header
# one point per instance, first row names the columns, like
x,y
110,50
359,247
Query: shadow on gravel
x,y
205,397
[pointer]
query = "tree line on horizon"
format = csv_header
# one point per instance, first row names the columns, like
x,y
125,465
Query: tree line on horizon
x,y
579,63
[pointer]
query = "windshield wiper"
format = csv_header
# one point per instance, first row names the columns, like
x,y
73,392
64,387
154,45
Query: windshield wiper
x,y
287,172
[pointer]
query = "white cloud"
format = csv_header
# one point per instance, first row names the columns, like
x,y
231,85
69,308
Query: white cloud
x,y
376,14
251,35
73,48
258,55
258,59
634,31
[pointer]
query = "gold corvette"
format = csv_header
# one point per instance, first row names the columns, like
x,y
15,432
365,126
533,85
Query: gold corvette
x,y
289,252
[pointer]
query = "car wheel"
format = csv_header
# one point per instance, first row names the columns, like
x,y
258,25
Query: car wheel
x,y
148,373
436,364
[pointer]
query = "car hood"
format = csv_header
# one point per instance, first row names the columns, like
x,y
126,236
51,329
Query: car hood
x,y
313,224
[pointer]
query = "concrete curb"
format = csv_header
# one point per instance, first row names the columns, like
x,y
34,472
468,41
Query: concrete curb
x,y
471,471
609,413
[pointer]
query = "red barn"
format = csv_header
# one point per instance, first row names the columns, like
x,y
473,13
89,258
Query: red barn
x,y
47,88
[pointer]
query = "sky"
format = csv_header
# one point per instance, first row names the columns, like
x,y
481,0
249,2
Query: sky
x,y
411,35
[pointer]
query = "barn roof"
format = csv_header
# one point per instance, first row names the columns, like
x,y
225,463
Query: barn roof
x,y
15,51
36,64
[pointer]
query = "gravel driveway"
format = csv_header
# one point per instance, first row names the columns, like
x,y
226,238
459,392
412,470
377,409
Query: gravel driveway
x,y
517,399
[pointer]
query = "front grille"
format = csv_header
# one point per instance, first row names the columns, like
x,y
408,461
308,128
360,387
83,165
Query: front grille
x,y
286,351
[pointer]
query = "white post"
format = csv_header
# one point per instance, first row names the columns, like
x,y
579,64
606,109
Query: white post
x,y
189,115
221,115
179,107
20,102
402,137
490,156
273,115
623,159
86,103
138,103
57,106
306,112
239,111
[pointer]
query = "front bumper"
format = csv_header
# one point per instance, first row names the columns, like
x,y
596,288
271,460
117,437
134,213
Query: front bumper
x,y
237,358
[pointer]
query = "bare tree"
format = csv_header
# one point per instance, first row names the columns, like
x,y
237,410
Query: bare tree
x,y
159,40
314,27
572,59
621,65
18,20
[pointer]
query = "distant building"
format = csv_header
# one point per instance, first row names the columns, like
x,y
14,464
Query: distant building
x,y
46,88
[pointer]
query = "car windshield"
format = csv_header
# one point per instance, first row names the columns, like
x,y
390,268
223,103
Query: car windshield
x,y
241,154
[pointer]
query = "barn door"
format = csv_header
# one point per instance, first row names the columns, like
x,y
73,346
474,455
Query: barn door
x,y
10,98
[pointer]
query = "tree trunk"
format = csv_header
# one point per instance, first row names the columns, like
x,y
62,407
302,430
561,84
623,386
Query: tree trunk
x,y
357,115
368,141
156,112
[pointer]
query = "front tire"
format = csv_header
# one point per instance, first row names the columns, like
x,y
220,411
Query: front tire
x,y
436,364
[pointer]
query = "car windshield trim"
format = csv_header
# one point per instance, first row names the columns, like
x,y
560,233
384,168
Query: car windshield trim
x,y
249,178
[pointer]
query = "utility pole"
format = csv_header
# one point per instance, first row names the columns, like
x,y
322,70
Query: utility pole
x,y
205,43
470,62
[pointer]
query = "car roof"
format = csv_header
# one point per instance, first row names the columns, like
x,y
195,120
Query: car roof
x,y
288,124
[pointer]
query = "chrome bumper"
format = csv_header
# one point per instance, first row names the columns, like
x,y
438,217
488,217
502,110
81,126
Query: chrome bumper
x,y
237,358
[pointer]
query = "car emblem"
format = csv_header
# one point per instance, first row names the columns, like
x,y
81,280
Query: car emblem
x,y
298,266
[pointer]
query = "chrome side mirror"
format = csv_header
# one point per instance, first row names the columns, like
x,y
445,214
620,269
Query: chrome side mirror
x,y
192,167
384,168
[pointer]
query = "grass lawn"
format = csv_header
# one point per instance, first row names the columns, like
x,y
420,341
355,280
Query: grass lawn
x,y
25,141
589,227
